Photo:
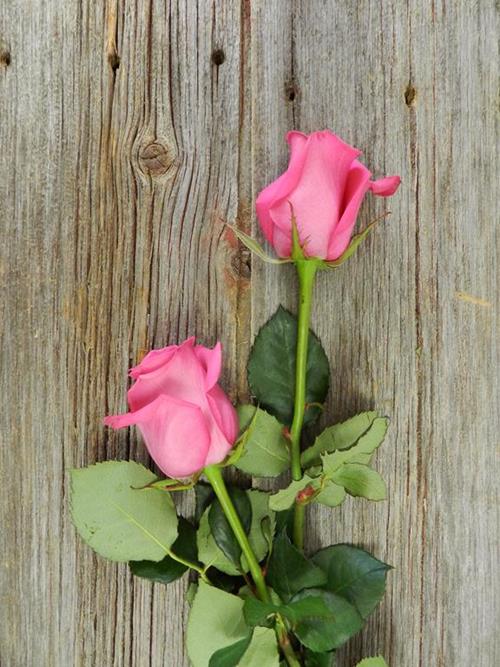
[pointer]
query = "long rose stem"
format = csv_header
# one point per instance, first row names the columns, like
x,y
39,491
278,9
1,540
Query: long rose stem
x,y
306,270
214,476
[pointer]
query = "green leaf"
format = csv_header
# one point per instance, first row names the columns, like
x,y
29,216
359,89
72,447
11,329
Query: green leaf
x,y
215,621
313,659
354,574
266,452
321,634
258,613
338,436
210,554
289,571
285,498
267,532
256,248
284,521
208,551
271,368
373,662
204,495
361,480
263,650
230,656
221,529
331,495
361,451
191,593
226,582
118,518
167,570
328,493
261,529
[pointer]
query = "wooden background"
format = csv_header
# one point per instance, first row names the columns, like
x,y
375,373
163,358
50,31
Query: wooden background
x,y
130,132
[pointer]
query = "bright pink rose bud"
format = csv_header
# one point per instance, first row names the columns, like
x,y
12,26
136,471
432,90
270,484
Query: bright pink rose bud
x,y
325,184
186,419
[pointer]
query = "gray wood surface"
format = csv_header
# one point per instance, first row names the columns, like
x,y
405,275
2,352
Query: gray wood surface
x,y
129,134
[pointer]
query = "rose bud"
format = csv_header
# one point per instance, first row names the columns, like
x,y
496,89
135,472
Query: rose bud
x,y
186,419
324,185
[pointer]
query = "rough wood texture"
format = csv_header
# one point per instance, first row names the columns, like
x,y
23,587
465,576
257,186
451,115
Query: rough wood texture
x,y
129,133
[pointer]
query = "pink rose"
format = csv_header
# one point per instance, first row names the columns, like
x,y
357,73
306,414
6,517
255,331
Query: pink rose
x,y
186,419
325,184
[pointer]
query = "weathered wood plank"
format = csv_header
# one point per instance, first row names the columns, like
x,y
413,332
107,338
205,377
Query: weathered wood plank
x,y
126,143
114,245
412,86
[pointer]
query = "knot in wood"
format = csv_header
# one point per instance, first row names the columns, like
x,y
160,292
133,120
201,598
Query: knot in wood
x,y
155,159
241,265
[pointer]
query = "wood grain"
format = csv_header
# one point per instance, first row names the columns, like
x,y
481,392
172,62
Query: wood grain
x,y
130,133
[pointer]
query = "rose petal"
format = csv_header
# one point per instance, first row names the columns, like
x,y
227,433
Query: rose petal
x,y
356,187
175,432
385,187
212,362
318,196
153,360
282,186
224,413
183,377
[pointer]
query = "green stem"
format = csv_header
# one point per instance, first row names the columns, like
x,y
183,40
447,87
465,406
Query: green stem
x,y
306,270
285,645
214,476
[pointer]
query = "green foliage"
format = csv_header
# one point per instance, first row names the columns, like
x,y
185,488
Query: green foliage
x,y
230,656
265,449
204,495
167,570
212,556
285,498
331,494
373,662
271,368
344,452
263,650
255,247
217,635
361,451
215,622
338,436
360,480
322,634
262,613
119,518
221,529
289,571
353,574
284,521
313,659
324,491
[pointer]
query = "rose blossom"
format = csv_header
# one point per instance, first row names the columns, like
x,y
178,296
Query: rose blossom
x,y
186,419
325,185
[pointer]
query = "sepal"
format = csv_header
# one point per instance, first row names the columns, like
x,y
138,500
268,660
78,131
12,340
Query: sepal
x,y
255,247
353,246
